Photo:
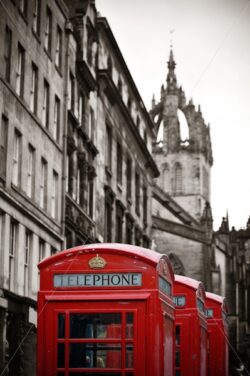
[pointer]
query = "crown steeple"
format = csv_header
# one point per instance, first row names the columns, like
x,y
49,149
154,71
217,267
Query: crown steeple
x,y
171,77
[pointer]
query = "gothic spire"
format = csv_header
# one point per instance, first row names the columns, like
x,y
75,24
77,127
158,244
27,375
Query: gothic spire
x,y
207,217
224,227
171,77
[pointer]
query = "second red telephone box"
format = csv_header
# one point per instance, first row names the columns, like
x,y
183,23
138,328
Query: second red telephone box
x,y
216,312
190,327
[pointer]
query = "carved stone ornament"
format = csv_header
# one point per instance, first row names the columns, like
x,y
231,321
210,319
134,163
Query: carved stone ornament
x,y
97,262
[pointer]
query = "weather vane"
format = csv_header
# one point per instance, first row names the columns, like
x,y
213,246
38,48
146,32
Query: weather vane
x,y
171,32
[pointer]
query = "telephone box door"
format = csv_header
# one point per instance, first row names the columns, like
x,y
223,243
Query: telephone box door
x,y
95,339
182,346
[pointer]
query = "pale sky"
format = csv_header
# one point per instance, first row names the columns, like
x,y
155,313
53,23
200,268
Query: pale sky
x,y
211,44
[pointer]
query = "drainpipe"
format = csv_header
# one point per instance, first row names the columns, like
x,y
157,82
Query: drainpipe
x,y
68,31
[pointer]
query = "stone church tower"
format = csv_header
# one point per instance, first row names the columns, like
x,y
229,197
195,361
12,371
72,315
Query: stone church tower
x,y
184,163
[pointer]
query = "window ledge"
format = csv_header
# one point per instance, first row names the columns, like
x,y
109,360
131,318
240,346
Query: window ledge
x,y
129,201
48,53
108,171
36,35
119,186
59,70
23,15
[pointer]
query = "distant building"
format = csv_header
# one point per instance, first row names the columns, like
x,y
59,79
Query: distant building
x,y
237,291
182,216
126,169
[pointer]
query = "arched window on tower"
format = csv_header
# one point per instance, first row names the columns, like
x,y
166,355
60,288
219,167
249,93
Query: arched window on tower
x,y
165,177
178,184
184,128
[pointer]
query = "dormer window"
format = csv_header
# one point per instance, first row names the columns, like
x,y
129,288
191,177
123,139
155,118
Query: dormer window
x,y
119,85
129,104
90,41
138,123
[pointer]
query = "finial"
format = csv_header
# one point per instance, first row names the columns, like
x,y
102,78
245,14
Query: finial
x,y
171,32
171,77
248,222
224,227
190,102
199,108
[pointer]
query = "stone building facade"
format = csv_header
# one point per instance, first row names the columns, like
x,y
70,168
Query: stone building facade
x,y
126,168
76,160
31,194
81,125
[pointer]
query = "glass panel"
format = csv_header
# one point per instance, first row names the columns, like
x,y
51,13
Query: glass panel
x,y
94,355
129,356
164,286
60,374
129,374
60,355
95,325
179,301
178,373
209,313
200,305
177,359
129,325
177,335
61,325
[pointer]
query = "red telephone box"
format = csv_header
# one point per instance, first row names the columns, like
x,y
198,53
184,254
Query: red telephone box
x,y
190,327
105,309
216,312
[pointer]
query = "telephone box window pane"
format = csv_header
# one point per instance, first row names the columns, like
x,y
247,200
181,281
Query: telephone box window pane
x,y
129,325
95,325
209,313
95,355
60,374
129,356
60,355
200,305
177,335
177,359
177,373
164,286
61,325
179,301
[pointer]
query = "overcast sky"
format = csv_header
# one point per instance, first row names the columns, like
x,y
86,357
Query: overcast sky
x,y
211,44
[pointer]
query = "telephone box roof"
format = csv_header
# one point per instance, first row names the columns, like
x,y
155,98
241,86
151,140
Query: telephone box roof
x,y
187,281
218,299
215,297
146,255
